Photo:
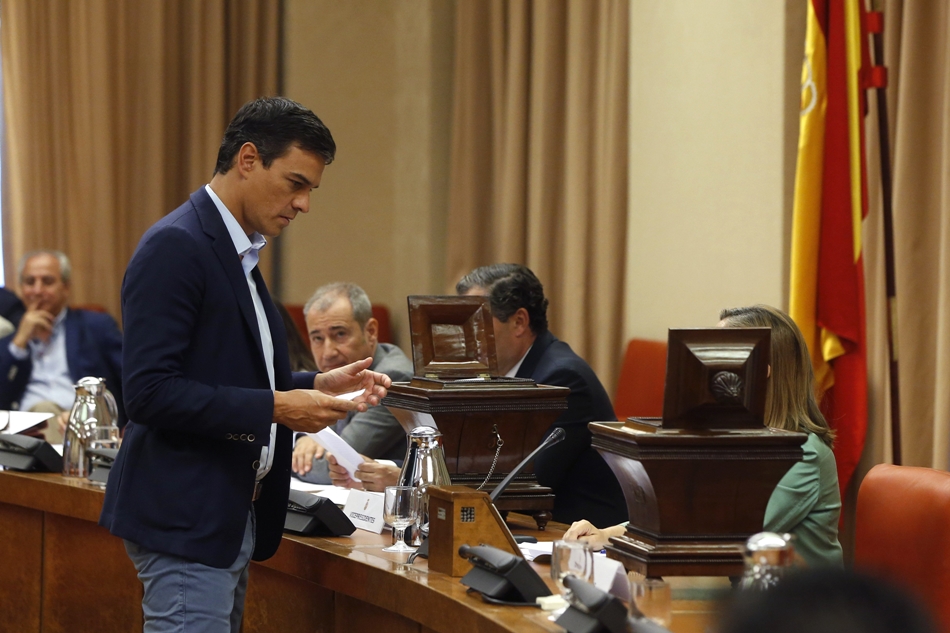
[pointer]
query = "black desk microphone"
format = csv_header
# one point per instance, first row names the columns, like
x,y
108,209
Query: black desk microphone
x,y
556,436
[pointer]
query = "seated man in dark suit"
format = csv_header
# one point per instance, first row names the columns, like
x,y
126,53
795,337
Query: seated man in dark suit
x,y
342,330
583,484
54,346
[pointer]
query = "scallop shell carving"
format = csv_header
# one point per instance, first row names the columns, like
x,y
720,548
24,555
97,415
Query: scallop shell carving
x,y
726,387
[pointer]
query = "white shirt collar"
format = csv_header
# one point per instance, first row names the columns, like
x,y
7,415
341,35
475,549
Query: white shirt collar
x,y
513,373
243,243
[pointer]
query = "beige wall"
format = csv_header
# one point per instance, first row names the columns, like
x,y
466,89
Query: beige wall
x,y
713,120
713,134
379,75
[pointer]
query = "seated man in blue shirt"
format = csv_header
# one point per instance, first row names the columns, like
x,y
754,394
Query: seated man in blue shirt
x,y
342,330
53,346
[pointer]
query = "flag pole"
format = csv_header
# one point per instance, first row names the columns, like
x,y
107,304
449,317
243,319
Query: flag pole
x,y
878,79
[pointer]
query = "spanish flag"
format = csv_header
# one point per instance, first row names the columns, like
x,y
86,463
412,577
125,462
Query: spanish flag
x,y
827,273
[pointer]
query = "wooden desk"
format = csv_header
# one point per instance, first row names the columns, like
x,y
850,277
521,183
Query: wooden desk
x,y
61,569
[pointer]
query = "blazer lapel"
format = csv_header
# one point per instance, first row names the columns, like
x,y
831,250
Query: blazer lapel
x,y
530,364
223,247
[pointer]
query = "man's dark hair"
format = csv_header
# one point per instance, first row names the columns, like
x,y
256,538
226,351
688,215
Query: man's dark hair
x,y
826,600
273,124
509,287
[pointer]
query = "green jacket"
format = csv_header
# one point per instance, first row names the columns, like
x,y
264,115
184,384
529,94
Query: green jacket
x,y
807,504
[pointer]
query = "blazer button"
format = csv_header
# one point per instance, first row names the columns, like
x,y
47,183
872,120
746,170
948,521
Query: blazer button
x,y
243,437
256,464
250,438
229,436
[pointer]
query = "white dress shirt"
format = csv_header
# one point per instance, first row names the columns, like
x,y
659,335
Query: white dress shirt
x,y
247,247
50,380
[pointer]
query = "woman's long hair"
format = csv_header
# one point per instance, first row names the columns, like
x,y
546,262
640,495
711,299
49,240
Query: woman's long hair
x,y
790,402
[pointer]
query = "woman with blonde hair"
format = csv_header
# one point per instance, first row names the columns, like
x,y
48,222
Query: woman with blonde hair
x,y
806,502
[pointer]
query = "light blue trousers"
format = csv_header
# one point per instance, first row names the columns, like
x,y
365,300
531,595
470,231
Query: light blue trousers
x,y
184,596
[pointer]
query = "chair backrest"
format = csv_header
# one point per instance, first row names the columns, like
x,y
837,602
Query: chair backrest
x,y
640,388
902,533
380,312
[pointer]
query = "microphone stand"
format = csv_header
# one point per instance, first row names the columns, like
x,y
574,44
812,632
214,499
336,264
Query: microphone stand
x,y
556,436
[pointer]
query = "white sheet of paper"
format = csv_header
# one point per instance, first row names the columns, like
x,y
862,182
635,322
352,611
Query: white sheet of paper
x,y
334,493
609,576
345,454
533,550
351,395
19,421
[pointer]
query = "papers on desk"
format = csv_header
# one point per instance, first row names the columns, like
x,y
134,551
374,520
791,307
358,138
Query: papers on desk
x,y
609,575
334,493
531,551
345,455
20,421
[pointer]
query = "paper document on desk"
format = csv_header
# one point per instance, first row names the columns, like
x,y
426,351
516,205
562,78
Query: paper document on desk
x,y
19,421
531,551
345,455
334,493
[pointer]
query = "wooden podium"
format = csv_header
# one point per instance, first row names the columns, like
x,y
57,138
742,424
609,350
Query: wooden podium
x,y
697,481
489,423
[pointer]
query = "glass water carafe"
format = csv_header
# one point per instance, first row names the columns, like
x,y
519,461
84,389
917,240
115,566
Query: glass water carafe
x,y
93,423
768,557
424,466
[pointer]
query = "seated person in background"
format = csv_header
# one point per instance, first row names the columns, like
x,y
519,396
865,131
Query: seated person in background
x,y
11,311
583,484
806,501
342,330
53,346
300,357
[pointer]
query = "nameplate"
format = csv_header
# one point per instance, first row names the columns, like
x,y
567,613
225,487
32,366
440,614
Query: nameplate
x,y
365,510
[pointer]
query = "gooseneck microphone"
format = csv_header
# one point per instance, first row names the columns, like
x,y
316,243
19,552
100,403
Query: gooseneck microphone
x,y
556,436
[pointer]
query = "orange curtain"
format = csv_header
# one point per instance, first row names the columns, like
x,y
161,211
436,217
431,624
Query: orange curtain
x,y
539,158
114,112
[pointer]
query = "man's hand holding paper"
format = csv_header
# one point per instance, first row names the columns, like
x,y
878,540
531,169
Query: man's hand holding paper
x,y
353,378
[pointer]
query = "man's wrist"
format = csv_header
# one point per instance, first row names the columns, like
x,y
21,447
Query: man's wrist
x,y
19,353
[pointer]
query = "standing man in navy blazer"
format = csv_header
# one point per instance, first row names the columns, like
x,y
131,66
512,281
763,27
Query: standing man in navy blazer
x,y
54,346
201,482
583,484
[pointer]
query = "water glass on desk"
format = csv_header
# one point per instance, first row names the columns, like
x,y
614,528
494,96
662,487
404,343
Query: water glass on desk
x,y
571,558
652,597
400,510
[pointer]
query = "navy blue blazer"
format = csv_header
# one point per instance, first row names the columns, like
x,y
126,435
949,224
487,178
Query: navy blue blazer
x,y
93,348
198,397
584,486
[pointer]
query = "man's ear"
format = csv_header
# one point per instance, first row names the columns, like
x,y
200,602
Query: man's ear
x,y
522,321
372,330
247,157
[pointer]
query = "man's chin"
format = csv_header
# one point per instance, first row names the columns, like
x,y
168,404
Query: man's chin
x,y
327,368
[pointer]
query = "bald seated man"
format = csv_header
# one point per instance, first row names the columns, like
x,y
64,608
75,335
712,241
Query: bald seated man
x,y
54,346
342,330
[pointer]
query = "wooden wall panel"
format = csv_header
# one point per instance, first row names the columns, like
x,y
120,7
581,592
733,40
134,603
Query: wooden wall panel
x,y
21,550
278,602
355,615
88,579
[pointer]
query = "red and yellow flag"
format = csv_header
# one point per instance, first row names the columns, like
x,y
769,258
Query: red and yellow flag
x,y
827,273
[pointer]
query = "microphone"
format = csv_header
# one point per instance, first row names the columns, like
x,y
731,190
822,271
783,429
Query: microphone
x,y
556,436
549,441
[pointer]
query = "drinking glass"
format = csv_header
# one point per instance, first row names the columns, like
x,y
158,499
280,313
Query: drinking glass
x,y
571,558
400,509
652,597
